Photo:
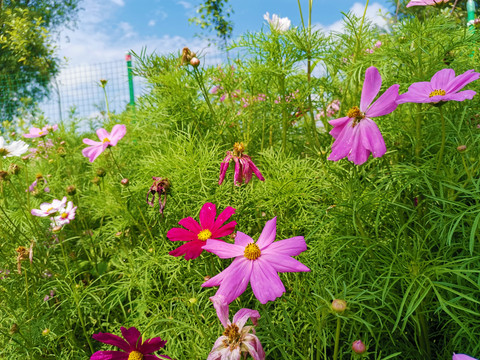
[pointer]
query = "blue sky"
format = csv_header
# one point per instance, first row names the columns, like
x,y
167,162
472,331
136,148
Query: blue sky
x,y
108,28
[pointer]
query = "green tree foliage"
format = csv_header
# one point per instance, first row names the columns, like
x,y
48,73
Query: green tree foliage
x,y
214,15
27,55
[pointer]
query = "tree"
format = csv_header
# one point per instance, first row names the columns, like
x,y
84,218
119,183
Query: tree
x,y
27,53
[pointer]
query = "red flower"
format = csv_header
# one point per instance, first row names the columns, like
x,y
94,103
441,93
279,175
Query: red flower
x,y
197,234
133,348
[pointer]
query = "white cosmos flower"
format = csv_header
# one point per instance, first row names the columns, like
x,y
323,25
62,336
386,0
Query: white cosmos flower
x,y
47,209
17,148
277,23
66,215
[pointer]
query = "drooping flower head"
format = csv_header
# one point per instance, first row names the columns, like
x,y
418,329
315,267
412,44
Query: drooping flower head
x,y
36,132
132,348
425,2
159,187
244,166
277,23
256,263
462,357
237,340
357,135
106,140
444,86
197,234
16,148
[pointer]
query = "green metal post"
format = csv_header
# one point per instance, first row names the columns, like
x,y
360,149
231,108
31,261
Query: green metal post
x,y
471,13
128,59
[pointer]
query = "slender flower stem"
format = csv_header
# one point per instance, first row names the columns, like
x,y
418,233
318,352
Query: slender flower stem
x,y
337,339
199,78
284,114
442,146
26,291
418,135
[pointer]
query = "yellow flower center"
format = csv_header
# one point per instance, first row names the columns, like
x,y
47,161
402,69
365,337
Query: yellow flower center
x,y
238,149
51,208
135,355
231,332
4,152
355,114
204,235
41,133
438,92
252,251
106,140
64,215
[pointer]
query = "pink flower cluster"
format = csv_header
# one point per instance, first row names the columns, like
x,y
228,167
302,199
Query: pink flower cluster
x,y
332,109
288,98
59,211
375,46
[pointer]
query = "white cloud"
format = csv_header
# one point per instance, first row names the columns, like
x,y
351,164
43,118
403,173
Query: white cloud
x,y
151,23
127,30
186,5
119,2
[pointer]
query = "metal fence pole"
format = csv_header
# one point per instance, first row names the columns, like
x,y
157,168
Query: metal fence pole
x,y
128,59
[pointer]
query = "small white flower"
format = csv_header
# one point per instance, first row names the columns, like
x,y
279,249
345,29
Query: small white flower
x,y
66,215
17,148
50,208
277,23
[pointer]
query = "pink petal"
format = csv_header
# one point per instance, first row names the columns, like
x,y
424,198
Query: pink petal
x,y
221,307
223,168
462,357
247,172
112,339
254,347
385,104
459,96
417,93
152,345
92,152
371,87
36,212
268,234
284,263
238,174
339,125
265,282
179,234
242,239
371,137
224,250
219,349
255,169
291,247
442,78
191,225
343,144
207,215
91,142
118,132
461,80
224,216
358,154
242,316
102,134
133,337
109,355
191,250
224,230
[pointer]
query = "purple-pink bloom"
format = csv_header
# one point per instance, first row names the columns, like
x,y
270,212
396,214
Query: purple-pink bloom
x,y
462,357
66,214
256,263
244,166
357,135
106,140
444,86
425,2
36,132
237,340
133,347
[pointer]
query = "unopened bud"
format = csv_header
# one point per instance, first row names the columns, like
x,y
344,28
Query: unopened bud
x,y
3,175
195,62
103,82
45,332
101,172
71,190
358,347
339,305
96,180
56,229
192,301
14,329
14,169
124,182
461,148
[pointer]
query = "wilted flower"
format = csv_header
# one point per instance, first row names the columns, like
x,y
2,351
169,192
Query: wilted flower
x,y
444,86
159,186
237,340
133,347
357,135
425,2
13,169
36,132
256,263
462,357
24,254
71,189
197,234
244,166
277,23
106,140
358,347
17,148
187,56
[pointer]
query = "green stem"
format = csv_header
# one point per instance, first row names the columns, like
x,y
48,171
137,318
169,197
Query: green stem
x,y
106,101
337,339
26,291
199,79
418,134
442,146
284,114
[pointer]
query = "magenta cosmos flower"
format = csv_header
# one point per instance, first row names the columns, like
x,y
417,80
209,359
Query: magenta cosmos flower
x,y
237,340
462,357
36,132
133,347
256,263
196,234
244,166
425,2
357,135
106,140
444,86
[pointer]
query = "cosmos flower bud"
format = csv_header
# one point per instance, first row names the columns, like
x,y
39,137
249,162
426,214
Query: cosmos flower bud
x,y
358,347
195,62
96,180
124,182
103,83
461,148
339,305
71,190
61,151
101,172
14,329
45,332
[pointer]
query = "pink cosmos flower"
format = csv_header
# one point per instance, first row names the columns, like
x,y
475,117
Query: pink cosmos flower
x,y
33,186
66,214
196,234
462,357
237,341
425,2
36,132
106,140
357,135
244,166
256,263
47,209
444,86
133,347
